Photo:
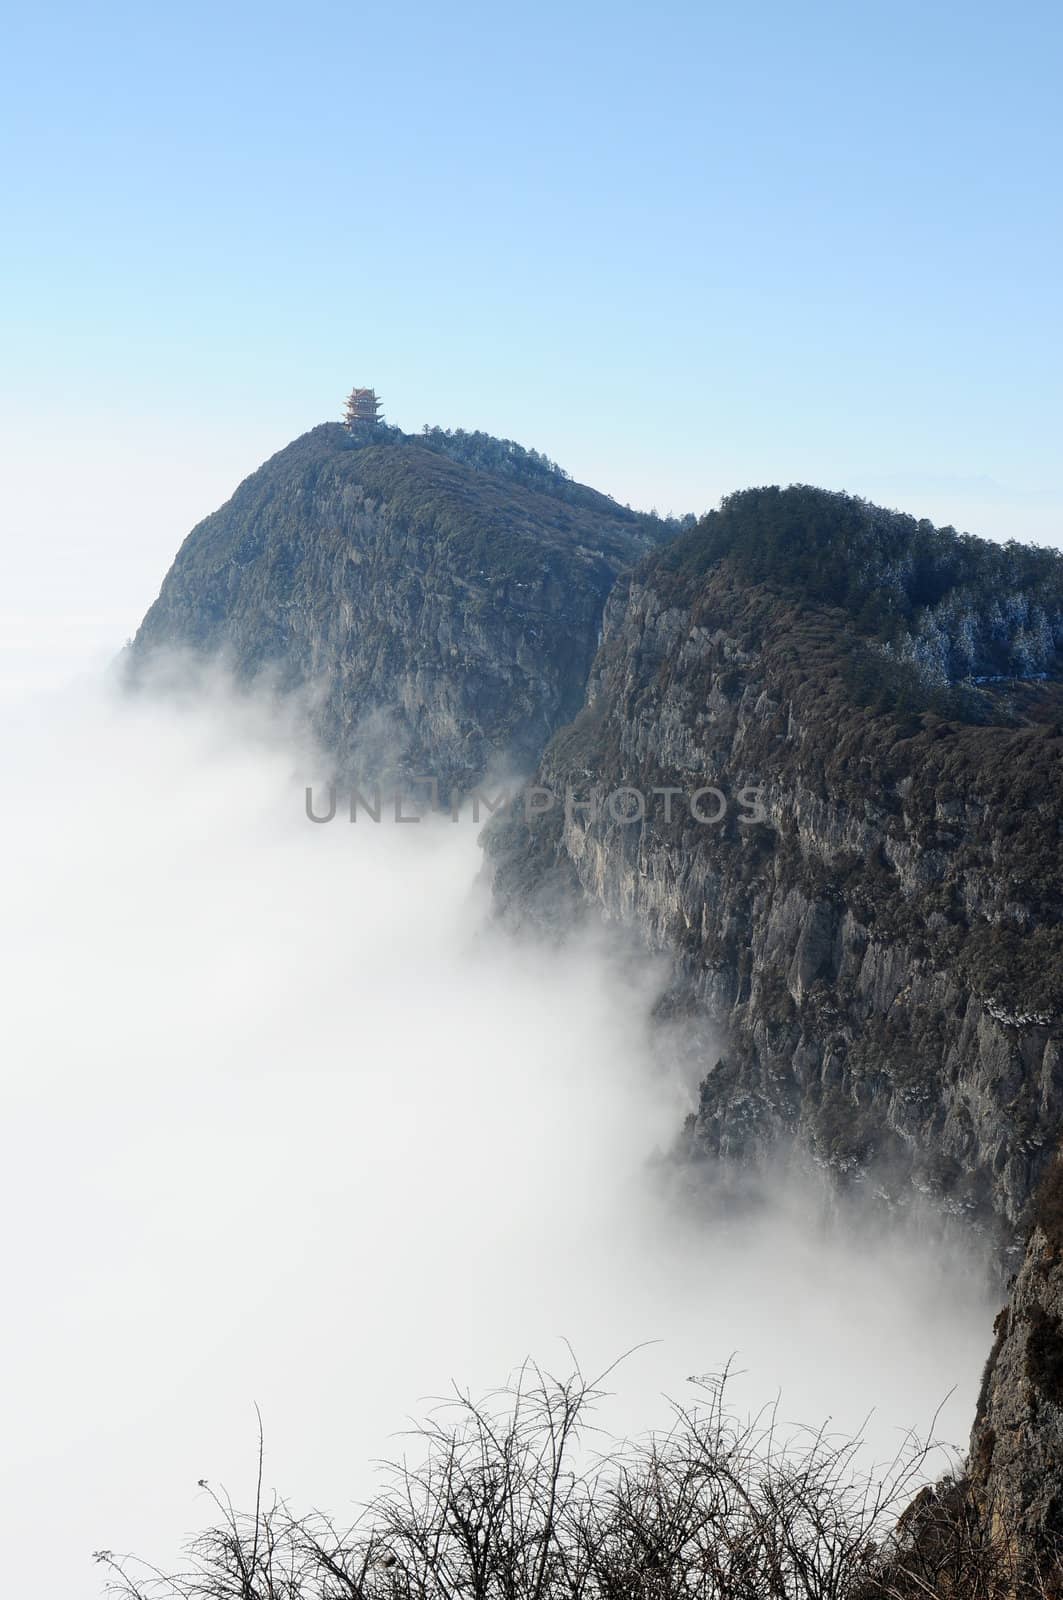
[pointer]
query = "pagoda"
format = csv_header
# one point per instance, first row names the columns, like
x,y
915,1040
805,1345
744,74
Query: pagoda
x,y
362,411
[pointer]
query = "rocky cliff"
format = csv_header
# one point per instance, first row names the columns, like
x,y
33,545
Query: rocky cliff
x,y
443,613
866,910
872,962
1016,1465
851,854
811,750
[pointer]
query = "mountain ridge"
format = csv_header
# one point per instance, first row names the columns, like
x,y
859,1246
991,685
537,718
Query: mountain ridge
x,y
873,975
436,608
872,972
903,850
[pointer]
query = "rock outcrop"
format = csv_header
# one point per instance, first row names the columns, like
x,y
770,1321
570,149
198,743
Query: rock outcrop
x,y
1016,1461
772,773
867,949
879,948
445,616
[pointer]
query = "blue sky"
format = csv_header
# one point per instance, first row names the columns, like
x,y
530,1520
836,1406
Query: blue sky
x,y
681,249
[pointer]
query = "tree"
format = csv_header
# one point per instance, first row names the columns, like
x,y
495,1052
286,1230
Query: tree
x,y
505,1499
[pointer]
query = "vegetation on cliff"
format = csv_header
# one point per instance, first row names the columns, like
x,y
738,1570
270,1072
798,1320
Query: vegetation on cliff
x,y
512,520
457,604
884,958
937,608
512,461
885,952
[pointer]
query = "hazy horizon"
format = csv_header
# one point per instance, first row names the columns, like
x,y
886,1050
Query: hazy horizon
x,y
289,1121
680,253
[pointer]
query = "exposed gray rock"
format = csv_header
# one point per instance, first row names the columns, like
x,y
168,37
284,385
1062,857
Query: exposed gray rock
x,y
1016,1462
444,618
881,954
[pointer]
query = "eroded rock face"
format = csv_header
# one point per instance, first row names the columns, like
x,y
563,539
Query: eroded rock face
x,y
881,954
866,946
444,618
1016,1461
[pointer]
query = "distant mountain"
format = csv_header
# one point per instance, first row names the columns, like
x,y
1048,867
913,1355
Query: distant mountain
x,y
442,594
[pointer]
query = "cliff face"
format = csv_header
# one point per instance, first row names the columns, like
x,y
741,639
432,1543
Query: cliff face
x,y
864,916
881,954
866,944
443,611
1016,1464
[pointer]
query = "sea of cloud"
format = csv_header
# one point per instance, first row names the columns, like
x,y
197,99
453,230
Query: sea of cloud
x,y
286,1121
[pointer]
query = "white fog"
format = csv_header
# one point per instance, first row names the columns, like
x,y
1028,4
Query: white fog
x,y
287,1123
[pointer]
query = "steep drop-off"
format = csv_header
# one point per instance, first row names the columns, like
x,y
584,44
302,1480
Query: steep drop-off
x,y
881,955
445,615
1016,1463
870,969
867,944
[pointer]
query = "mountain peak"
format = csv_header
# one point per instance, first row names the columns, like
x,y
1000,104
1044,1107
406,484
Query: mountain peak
x,y
448,587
